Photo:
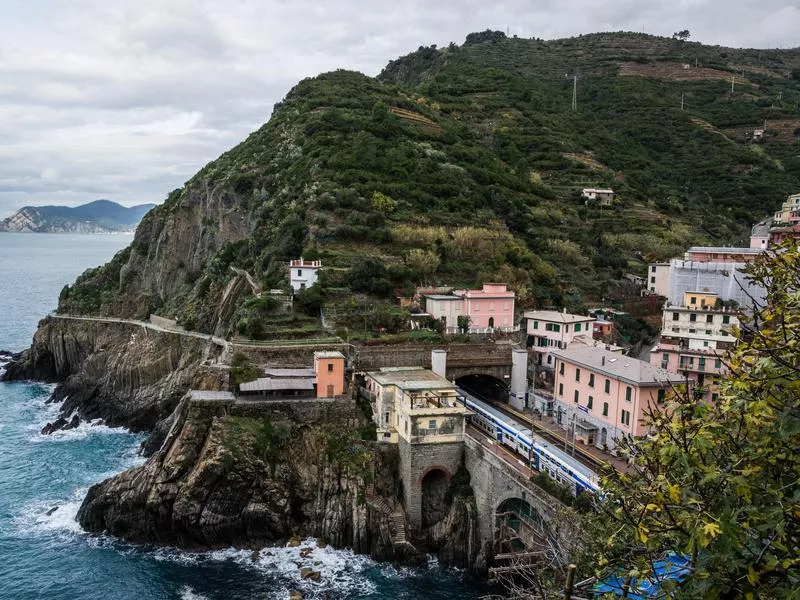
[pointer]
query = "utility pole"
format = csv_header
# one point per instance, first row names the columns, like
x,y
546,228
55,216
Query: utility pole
x,y
574,92
681,100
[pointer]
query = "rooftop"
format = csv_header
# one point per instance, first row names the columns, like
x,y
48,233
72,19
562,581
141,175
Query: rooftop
x,y
626,368
410,378
291,373
211,395
723,250
328,354
555,316
443,297
266,384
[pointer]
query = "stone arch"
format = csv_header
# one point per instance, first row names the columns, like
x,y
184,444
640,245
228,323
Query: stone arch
x,y
435,482
485,385
518,524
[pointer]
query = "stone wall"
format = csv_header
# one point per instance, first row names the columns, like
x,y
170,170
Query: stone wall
x,y
302,410
417,460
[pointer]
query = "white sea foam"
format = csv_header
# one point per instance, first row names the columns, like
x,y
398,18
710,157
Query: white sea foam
x,y
339,570
34,520
188,593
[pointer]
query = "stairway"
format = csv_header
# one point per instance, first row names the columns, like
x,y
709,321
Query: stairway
x,y
399,524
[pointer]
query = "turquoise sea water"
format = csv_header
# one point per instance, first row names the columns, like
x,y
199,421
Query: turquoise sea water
x,y
48,556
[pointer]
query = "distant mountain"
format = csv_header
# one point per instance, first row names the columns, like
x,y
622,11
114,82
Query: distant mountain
x,y
100,216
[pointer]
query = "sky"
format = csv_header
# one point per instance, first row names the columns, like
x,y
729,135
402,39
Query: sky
x,y
127,99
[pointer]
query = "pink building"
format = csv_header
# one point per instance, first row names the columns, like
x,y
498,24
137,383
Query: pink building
x,y
490,308
550,330
603,396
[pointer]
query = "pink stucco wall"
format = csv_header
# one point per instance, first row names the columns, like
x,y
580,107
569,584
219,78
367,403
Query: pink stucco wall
x,y
641,398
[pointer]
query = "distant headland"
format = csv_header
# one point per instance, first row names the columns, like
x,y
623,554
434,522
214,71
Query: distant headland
x,y
100,216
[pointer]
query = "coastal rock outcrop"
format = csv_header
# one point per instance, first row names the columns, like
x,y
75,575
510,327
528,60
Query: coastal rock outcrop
x,y
223,478
119,372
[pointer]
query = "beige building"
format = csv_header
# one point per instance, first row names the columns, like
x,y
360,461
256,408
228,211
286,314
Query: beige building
x,y
416,405
658,279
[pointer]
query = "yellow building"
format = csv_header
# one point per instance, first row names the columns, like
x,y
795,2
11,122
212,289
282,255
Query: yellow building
x,y
699,299
416,405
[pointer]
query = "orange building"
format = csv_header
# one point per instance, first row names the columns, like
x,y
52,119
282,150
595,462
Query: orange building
x,y
329,369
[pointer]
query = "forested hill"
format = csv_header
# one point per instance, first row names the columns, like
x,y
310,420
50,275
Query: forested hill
x,y
99,216
464,164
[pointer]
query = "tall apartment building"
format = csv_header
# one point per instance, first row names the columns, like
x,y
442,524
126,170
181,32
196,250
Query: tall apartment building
x,y
550,330
694,338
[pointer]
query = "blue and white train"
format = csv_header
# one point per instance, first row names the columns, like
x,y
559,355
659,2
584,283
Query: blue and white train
x,y
543,456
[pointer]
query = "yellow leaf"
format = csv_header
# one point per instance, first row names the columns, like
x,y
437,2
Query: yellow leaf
x,y
674,491
752,576
641,533
653,507
711,530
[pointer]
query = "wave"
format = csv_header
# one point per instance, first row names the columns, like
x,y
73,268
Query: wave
x,y
188,593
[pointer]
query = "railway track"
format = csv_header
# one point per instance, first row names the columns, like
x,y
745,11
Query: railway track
x,y
582,455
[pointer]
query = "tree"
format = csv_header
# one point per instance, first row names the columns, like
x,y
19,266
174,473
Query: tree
x,y
682,35
718,482
382,203
423,262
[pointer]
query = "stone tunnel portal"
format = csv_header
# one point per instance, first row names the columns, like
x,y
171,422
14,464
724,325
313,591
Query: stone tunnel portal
x,y
484,386
519,526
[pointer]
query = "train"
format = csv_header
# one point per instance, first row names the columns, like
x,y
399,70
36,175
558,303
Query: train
x,y
540,454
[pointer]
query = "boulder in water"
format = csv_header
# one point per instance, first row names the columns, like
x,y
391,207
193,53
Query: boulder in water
x,y
54,426
74,422
51,511
309,573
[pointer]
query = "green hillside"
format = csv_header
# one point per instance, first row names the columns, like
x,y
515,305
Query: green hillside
x,y
465,164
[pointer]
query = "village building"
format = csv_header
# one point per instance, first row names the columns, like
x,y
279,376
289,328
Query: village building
x,y
721,254
303,273
550,330
601,396
759,234
415,405
326,379
658,279
604,197
486,310
694,338
789,214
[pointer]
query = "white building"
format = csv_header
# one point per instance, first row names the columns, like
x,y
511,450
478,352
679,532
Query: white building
x,y
604,196
550,330
658,279
303,273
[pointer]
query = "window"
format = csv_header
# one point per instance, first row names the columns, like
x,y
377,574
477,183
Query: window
x,y
709,318
625,417
662,394
665,356
605,409
726,320
628,393
692,330
708,332
330,367
432,424
552,327
566,328
560,389
299,272
693,300
536,324
675,316
590,402
652,280
561,368
718,363
577,374
653,269
591,379
386,418
693,317
577,395
577,327
702,364
608,386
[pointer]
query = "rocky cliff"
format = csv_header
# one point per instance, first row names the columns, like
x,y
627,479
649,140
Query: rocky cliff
x,y
122,373
248,475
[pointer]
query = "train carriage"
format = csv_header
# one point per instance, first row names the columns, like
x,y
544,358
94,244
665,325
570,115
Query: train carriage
x,y
543,456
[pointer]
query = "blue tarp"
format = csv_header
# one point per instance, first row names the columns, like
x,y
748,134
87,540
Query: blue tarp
x,y
675,567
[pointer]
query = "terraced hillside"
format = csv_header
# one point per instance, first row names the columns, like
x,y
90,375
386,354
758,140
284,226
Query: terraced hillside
x,y
464,164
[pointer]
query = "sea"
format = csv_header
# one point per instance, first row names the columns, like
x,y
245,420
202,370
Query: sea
x,y
43,551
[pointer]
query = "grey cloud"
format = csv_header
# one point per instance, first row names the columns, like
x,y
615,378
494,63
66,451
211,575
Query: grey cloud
x,y
128,99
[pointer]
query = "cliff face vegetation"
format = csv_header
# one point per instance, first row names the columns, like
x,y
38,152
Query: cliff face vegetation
x,y
465,163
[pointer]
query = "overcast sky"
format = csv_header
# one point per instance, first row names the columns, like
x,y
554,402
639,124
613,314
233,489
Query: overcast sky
x,y
127,99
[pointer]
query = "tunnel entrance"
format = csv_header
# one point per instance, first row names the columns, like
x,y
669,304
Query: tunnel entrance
x,y
434,496
519,525
485,386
